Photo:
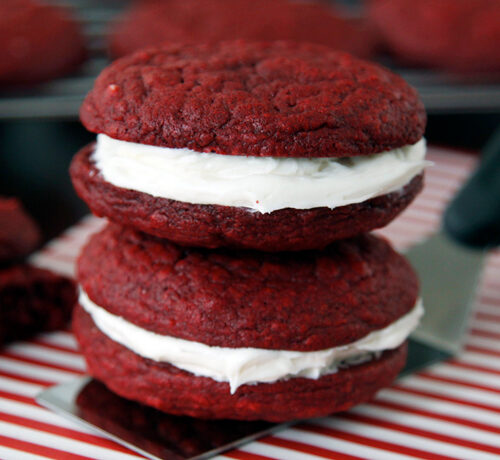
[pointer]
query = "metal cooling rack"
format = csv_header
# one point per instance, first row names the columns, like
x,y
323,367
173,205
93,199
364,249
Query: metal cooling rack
x,y
61,99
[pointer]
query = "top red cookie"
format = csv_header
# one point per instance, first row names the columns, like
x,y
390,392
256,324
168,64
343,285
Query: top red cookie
x,y
259,99
161,22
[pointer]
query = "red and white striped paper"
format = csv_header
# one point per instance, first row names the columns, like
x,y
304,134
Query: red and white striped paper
x,y
450,410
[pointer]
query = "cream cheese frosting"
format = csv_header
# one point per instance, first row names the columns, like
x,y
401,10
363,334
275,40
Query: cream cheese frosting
x,y
262,184
240,366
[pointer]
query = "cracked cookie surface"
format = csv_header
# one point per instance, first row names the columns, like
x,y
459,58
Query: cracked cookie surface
x,y
243,98
457,35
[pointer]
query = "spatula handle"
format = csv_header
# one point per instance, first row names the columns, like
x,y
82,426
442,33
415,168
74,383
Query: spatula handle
x,y
473,216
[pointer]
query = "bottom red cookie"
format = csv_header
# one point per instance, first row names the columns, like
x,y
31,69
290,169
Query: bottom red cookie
x,y
175,391
33,300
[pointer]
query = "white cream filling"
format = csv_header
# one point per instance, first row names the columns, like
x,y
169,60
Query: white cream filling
x,y
262,184
240,366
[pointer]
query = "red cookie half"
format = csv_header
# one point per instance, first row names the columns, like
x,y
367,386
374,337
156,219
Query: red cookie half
x,y
279,99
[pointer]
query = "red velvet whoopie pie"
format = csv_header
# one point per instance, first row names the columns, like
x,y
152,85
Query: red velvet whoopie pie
x,y
148,297
270,146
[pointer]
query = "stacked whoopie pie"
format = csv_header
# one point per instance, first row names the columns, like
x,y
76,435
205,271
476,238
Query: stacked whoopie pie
x,y
236,278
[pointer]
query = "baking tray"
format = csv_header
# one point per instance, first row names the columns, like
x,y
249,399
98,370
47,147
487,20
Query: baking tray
x,y
61,98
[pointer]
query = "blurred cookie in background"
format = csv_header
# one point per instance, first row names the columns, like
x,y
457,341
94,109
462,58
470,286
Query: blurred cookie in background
x,y
156,22
305,145
244,335
456,35
32,299
38,42
19,235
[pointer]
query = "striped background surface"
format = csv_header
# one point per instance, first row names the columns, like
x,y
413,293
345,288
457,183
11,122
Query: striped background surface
x,y
451,410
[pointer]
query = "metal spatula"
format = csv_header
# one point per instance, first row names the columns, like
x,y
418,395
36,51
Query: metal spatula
x,y
449,263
